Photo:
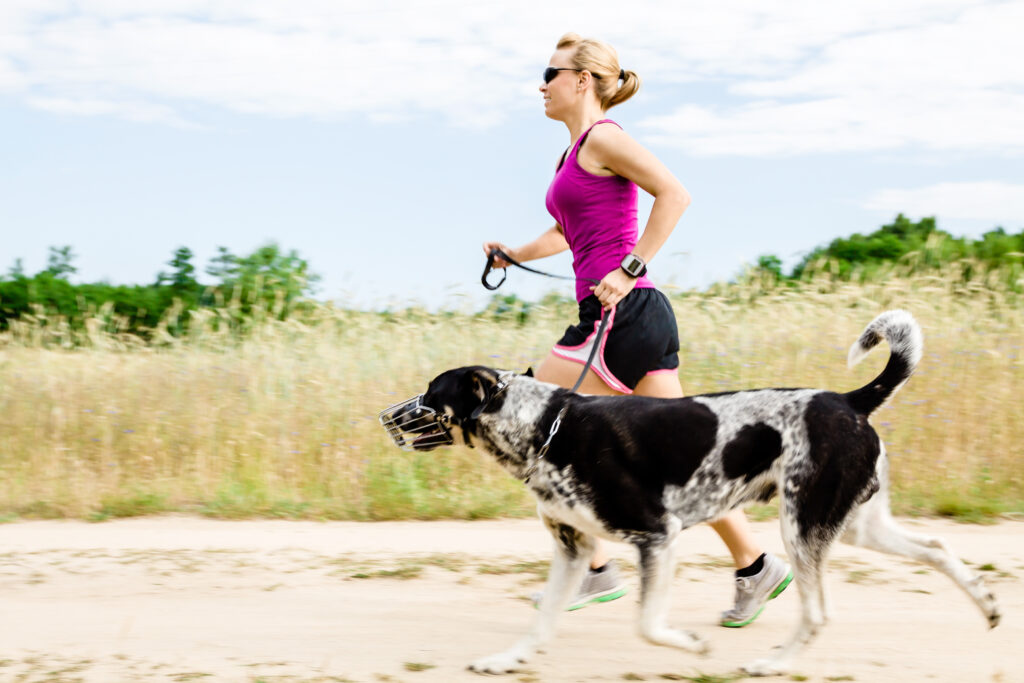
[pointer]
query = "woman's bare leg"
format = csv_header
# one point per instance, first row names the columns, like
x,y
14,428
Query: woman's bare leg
x,y
564,373
734,529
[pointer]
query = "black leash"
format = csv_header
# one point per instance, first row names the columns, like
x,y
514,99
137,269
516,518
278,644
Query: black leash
x,y
495,253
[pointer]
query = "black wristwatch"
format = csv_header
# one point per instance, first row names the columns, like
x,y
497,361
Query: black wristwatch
x,y
633,265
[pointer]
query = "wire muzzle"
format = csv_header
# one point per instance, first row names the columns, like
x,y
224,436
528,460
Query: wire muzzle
x,y
414,426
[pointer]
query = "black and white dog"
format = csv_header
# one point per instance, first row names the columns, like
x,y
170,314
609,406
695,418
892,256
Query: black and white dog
x,y
640,470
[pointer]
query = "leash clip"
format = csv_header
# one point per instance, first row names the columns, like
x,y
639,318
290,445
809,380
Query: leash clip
x,y
551,434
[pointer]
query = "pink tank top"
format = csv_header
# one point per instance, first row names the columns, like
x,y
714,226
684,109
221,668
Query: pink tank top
x,y
598,217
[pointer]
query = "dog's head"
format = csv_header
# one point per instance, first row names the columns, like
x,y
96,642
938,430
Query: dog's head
x,y
447,412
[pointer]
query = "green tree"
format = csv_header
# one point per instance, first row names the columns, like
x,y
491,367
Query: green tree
x,y
223,266
182,278
59,262
17,270
889,243
770,264
268,276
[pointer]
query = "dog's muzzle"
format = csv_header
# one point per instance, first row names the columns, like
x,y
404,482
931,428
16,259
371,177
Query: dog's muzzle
x,y
414,426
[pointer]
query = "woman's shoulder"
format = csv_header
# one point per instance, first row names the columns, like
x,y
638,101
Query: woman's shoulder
x,y
607,132
607,137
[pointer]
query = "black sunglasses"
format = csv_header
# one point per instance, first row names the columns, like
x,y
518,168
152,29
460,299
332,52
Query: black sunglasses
x,y
551,72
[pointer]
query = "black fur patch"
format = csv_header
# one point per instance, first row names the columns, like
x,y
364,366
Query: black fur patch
x,y
627,452
841,469
752,452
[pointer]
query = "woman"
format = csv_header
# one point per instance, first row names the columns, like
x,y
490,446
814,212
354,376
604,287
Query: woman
x,y
593,198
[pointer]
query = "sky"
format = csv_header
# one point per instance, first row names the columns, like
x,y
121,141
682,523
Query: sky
x,y
385,141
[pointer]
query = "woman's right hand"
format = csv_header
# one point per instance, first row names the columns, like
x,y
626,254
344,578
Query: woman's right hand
x,y
498,261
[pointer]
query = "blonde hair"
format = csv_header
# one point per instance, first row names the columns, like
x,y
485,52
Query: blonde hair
x,y
601,60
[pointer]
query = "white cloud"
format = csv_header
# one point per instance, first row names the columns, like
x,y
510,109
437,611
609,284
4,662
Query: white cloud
x,y
955,84
802,77
146,112
993,201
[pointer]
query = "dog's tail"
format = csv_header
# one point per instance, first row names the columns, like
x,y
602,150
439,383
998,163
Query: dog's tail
x,y
904,336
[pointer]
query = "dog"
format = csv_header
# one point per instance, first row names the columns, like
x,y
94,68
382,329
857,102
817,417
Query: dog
x,y
639,470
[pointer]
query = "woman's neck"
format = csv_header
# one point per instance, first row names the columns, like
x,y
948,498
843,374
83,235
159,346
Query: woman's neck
x,y
578,122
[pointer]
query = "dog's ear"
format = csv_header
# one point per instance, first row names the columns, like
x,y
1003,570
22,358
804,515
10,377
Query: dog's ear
x,y
529,372
482,381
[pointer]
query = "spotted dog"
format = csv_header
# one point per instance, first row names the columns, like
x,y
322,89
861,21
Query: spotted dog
x,y
640,470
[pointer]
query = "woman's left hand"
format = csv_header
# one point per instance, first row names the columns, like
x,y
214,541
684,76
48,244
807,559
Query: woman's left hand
x,y
613,288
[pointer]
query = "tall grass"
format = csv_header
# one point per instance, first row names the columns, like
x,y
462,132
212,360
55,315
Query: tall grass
x,y
281,420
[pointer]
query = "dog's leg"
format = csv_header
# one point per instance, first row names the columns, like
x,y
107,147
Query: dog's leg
x,y
657,567
573,550
873,527
807,555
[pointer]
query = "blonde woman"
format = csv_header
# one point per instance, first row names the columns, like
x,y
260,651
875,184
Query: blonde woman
x,y
593,198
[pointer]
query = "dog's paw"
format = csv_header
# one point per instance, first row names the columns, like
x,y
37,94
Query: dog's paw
x,y
994,616
986,601
684,640
765,667
501,663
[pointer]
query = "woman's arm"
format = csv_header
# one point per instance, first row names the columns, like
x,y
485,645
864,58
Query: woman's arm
x,y
549,243
611,149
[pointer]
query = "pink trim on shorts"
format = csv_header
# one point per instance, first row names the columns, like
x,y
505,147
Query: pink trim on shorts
x,y
599,367
663,371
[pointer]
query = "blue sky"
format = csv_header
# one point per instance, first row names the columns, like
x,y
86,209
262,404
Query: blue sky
x,y
385,141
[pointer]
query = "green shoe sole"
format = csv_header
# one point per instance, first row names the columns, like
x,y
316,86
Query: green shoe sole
x,y
775,594
603,598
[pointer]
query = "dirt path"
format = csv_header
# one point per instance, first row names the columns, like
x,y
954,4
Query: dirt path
x,y
184,599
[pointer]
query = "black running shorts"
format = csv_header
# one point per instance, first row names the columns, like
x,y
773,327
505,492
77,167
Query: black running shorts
x,y
641,339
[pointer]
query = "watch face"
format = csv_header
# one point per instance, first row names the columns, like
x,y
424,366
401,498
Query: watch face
x,y
632,265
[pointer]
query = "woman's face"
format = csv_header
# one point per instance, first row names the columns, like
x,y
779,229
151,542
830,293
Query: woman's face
x,y
561,93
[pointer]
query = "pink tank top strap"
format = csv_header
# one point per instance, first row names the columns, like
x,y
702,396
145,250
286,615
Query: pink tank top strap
x,y
574,150
576,147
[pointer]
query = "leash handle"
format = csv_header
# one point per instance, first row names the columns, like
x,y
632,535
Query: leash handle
x,y
495,253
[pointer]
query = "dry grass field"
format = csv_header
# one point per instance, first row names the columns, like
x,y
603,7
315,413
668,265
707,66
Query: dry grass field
x,y
281,421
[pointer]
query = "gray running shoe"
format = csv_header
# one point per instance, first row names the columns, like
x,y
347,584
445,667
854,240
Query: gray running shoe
x,y
754,592
602,586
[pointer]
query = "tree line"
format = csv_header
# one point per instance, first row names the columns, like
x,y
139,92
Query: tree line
x,y
279,283
269,279
919,245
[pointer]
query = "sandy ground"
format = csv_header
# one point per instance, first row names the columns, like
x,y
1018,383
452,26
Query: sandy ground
x,y
185,599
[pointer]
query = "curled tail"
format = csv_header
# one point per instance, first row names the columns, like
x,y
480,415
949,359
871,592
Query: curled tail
x,y
903,334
